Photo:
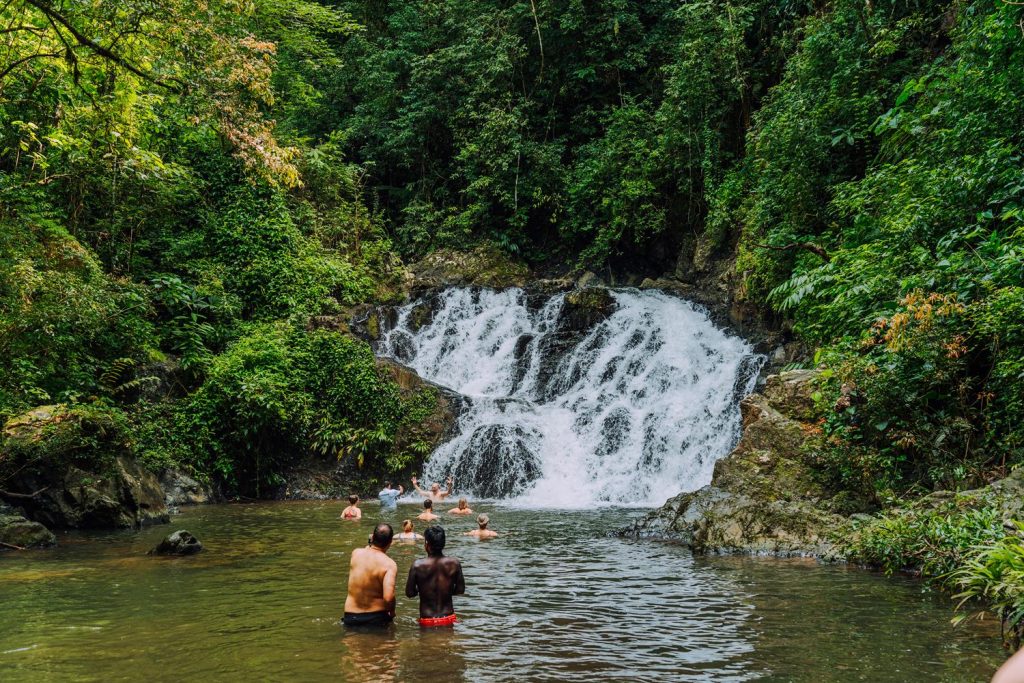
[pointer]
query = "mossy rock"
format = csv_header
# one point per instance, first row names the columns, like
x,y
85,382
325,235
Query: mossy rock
x,y
17,531
76,468
484,266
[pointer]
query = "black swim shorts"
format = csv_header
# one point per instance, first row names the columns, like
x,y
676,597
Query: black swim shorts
x,y
366,619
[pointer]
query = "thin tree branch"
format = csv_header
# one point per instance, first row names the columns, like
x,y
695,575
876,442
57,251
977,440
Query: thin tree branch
x,y
98,49
21,496
15,64
11,546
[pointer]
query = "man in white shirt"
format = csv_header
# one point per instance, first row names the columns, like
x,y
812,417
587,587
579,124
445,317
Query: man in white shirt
x,y
389,496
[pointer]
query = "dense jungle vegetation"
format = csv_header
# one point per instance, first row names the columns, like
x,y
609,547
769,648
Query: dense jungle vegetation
x,y
184,184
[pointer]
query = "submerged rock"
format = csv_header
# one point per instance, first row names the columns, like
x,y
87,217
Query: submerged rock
x,y
72,468
181,542
762,498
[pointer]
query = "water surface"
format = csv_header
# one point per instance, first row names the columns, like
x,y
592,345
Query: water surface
x,y
553,599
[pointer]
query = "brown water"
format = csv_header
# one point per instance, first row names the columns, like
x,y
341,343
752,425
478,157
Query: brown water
x,y
552,600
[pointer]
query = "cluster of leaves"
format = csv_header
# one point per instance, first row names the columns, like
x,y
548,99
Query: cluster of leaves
x,y
886,187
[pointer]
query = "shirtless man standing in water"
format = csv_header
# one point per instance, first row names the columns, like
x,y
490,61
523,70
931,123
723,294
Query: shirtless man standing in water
x,y
435,493
371,582
435,578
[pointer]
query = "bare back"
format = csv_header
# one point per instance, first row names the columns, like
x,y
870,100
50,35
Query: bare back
x,y
371,581
435,579
482,533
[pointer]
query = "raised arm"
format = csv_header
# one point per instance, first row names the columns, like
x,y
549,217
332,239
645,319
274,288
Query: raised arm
x,y
448,491
420,491
411,589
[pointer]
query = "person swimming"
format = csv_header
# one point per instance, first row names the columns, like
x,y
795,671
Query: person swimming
x,y
463,508
408,533
482,521
352,511
428,511
435,579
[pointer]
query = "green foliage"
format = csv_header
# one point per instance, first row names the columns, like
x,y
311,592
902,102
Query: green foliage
x,y
931,541
279,392
995,575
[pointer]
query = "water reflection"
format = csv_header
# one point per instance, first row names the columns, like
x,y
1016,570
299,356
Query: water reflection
x,y
552,599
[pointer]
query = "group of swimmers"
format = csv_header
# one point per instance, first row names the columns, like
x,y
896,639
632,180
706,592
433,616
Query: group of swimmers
x,y
434,578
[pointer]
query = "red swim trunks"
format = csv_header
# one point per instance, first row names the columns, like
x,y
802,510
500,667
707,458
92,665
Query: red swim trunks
x,y
438,621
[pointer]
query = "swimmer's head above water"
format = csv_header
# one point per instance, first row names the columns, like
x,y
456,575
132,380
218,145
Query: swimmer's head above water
x,y
382,535
434,540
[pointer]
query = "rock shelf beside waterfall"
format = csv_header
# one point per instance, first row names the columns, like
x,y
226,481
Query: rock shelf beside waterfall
x,y
761,499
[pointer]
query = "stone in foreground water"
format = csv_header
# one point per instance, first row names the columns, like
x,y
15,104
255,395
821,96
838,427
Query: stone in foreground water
x,y
181,542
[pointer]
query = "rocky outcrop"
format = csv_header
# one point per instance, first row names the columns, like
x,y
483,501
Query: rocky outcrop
x,y
482,267
73,469
762,499
179,543
181,489
18,533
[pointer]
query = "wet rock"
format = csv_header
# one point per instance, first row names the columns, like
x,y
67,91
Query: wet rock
x,y
181,489
72,468
793,393
181,542
584,308
482,267
17,532
497,463
762,498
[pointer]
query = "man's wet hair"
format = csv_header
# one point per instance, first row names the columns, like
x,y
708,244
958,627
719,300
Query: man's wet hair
x,y
428,503
352,500
387,484
382,535
434,535
482,519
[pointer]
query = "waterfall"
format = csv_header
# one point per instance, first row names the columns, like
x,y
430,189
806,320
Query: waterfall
x,y
629,409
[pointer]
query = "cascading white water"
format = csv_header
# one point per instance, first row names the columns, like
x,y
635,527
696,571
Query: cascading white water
x,y
630,411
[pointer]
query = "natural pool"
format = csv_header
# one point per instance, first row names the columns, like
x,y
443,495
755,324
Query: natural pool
x,y
554,599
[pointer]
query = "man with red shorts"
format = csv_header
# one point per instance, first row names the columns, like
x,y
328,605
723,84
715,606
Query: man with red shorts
x,y
435,578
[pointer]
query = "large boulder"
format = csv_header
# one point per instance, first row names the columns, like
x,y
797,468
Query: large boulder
x,y
181,489
762,498
73,468
16,532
